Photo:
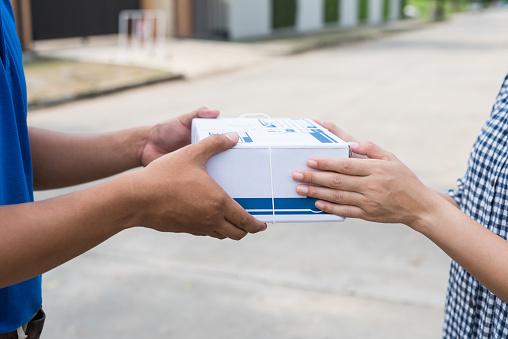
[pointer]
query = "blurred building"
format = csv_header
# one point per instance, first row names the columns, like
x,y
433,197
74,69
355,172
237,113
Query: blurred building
x,y
243,19
213,19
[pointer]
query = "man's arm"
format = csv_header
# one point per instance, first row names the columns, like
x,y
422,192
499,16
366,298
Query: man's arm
x,y
172,194
62,159
382,189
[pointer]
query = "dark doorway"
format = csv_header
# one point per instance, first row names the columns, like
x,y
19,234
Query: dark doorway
x,y
332,11
54,19
284,13
209,19
363,10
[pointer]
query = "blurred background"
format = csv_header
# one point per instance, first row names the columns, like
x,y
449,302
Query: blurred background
x,y
416,76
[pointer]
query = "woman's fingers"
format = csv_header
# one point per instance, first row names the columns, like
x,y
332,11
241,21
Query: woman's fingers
x,y
371,150
331,195
341,210
349,166
335,130
330,179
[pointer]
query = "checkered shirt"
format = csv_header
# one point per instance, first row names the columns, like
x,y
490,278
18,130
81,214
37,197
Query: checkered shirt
x,y
471,310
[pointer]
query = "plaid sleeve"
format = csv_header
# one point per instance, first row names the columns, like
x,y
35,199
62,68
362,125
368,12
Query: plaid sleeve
x,y
456,194
502,97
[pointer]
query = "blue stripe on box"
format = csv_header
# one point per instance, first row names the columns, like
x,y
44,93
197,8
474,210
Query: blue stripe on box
x,y
321,136
283,206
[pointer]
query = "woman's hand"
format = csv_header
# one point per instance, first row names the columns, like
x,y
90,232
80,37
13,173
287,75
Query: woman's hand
x,y
336,130
380,188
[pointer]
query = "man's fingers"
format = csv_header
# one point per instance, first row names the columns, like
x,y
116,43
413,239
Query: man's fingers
x,y
217,235
213,145
371,150
235,214
340,210
329,179
331,195
358,167
230,231
204,112
207,113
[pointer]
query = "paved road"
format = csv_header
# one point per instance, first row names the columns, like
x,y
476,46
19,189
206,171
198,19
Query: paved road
x,y
424,95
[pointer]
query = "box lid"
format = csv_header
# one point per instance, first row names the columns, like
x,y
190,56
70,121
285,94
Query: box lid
x,y
274,133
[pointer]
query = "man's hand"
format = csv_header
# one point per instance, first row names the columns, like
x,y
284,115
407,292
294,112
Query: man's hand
x,y
380,188
172,135
175,194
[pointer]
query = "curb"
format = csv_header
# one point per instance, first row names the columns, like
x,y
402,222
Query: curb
x,y
291,43
334,38
39,104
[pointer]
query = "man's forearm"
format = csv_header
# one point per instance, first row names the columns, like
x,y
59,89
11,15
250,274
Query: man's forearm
x,y
36,237
474,247
61,159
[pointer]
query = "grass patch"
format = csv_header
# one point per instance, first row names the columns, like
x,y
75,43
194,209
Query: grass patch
x,y
53,80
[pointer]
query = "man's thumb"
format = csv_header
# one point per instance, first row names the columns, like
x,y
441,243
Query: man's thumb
x,y
371,150
216,144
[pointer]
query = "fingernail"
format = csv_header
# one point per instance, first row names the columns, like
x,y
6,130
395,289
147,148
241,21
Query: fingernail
x,y
302,189
232,136
298,176
312,163
320,205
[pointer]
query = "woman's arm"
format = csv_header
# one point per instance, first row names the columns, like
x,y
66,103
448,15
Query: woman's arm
x,y
383,189
62,159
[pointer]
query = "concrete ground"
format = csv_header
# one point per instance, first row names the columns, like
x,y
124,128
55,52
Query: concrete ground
x,y
423,95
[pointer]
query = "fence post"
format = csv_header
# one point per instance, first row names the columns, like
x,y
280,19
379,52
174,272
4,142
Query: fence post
x,y
395,9
349,13
375,12
310,15
248,18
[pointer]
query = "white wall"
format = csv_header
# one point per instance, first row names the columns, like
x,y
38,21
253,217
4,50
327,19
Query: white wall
x,y
310,15
249,18
376,12
349,13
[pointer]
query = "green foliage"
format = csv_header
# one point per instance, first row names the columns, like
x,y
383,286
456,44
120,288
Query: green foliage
x,y
332,11
386,9
487,3
403,4
363,10
284,13
426,7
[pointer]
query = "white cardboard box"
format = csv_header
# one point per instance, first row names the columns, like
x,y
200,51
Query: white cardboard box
x,y
257,172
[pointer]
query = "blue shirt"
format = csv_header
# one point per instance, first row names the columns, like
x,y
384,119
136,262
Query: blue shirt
x,y
19,302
